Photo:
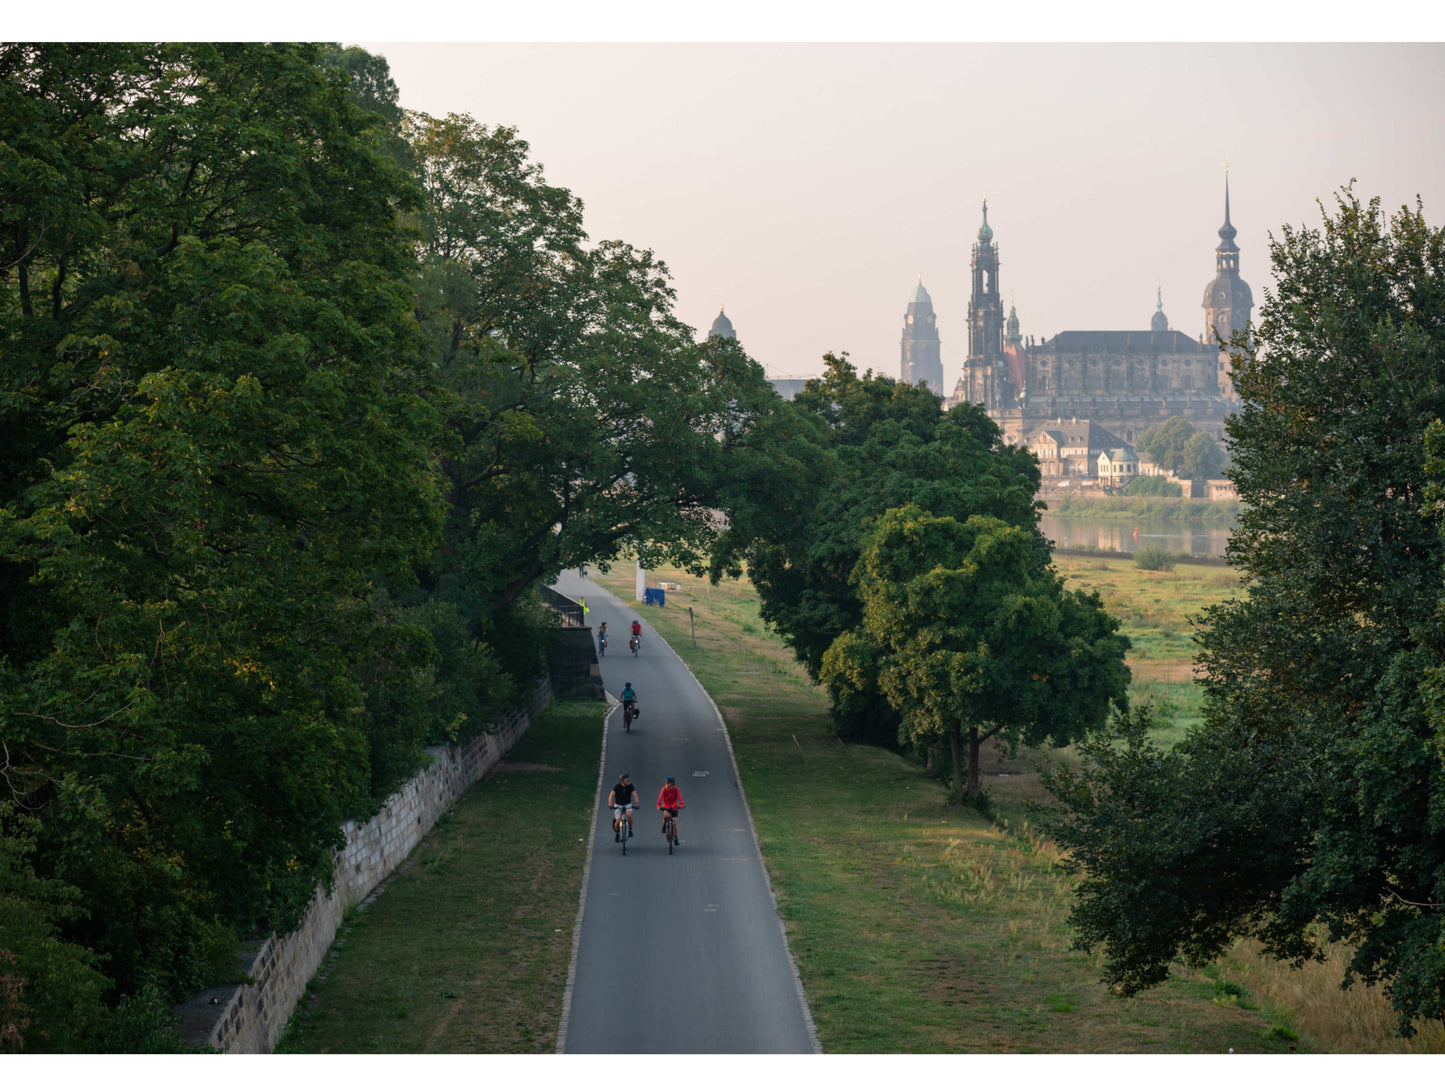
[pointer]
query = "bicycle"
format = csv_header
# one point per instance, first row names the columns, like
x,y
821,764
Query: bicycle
x,y
629,712
669,828
620,827
601,646
635,643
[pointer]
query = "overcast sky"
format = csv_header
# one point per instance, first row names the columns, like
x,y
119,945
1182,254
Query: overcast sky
x,y
806,187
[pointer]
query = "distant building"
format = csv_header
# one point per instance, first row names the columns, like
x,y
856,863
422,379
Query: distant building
x,y
1127,381
1070,449
921,361
1118,467
787,386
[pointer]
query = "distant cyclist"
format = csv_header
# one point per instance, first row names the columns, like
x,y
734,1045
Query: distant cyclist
x,y
622,801
602,638
637,632
669,800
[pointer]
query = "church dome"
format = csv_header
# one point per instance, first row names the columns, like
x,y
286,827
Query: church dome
x,y
722,326
1159,322
985,232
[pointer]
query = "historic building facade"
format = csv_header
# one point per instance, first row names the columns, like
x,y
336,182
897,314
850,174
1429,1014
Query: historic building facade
x,y
1125,381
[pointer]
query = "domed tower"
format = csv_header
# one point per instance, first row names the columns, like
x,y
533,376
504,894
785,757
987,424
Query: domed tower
x,y
722,326
921,359
984,380
1159,322
1011,337
1227,300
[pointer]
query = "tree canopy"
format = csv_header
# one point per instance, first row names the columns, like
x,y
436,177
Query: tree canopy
x,y
844,451
1310,806
303,395
215,433
969,634
1177,446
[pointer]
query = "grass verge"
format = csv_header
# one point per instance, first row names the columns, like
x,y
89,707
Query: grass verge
x,y
466,948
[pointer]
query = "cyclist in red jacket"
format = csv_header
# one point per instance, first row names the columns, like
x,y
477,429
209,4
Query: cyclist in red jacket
x,y
669,800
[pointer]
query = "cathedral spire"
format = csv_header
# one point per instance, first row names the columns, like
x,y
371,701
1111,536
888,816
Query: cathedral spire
x,y
985,232
1226,231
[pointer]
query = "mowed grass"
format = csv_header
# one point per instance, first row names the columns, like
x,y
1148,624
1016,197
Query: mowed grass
x,y
466,948
919,927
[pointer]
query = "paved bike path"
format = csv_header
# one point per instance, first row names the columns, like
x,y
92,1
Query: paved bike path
x,y
680,953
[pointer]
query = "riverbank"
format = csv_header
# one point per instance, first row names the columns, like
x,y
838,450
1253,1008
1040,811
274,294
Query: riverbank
x,y
1142,509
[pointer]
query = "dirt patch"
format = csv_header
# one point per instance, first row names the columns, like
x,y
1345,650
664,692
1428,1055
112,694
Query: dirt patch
x,y
1177,670
732,716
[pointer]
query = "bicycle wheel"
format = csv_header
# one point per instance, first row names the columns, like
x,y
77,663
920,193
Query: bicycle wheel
x,y
671,832
622,823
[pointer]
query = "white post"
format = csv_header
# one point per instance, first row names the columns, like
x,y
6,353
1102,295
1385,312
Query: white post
x,y
641,581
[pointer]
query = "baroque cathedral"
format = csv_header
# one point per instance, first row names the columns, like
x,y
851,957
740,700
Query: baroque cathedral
x,y
1124,381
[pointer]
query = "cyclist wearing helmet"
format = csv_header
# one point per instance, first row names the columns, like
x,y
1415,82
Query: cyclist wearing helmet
x,y
669,800
621,801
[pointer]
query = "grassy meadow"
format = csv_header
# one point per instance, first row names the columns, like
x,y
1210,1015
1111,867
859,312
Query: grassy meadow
x,y
1157,611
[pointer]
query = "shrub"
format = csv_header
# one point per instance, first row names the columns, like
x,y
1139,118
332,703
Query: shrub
x,y
1154,559
1153,485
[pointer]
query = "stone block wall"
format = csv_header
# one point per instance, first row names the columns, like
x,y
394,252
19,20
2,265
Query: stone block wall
x,y
249,1018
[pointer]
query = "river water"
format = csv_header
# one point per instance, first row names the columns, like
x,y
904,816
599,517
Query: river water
x,y
1126,536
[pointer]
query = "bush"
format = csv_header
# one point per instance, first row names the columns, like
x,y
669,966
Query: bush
x,y
1153,485
1154,559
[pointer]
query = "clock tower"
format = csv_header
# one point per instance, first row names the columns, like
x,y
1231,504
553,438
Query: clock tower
x,y
1227,300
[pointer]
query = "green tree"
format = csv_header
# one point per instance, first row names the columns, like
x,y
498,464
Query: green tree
x,y
217,436
1202,458
1177,446
1310,806
971,635
848,448
584,420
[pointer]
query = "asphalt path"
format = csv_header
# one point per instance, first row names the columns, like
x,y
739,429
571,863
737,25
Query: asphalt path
x,y
680,953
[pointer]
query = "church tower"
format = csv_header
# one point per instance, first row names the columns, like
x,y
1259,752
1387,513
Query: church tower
x,y
1227,300
984,379
921,359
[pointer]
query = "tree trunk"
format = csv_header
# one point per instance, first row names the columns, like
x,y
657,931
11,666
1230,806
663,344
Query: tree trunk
x,y
973,743
955,747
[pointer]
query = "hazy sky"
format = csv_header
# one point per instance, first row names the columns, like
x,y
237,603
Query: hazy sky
x,y
805,187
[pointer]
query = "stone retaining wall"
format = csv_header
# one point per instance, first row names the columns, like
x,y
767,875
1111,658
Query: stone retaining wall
x,y
248,1018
